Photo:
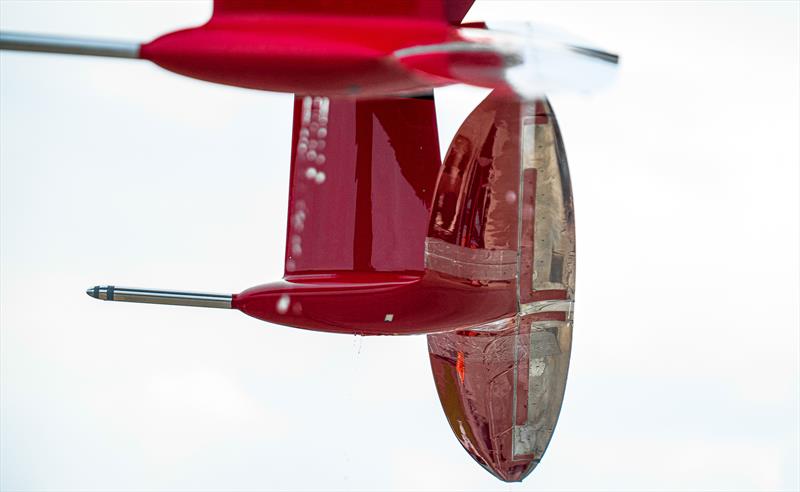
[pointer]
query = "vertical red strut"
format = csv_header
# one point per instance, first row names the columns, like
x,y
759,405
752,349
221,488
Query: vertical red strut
x,y
363,177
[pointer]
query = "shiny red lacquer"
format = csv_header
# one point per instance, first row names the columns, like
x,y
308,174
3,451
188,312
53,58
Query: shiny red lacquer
x,y
363,179
314,46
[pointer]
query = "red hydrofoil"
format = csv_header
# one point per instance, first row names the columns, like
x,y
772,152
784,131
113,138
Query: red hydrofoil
x,y
477,251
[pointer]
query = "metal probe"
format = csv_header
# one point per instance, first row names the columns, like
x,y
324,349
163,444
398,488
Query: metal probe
x,y
177,298
67,45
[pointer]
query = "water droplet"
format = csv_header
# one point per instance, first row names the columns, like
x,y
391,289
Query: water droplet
x,y
320,178
322,133
312,144
297,250
283,304
511,197
304,132
320,159
311,172
359,343
297,308
290,265
312,155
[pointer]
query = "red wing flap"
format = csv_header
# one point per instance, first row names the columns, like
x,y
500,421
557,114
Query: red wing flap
x,y
450,10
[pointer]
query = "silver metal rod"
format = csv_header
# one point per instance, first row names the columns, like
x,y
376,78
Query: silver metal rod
x,y
71,46
126,294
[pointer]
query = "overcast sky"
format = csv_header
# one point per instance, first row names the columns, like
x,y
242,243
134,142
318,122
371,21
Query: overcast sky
x,y
685,359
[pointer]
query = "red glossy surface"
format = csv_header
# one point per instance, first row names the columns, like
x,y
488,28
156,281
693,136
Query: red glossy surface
x,y
299,53
376,303
320,46
450,10
363,180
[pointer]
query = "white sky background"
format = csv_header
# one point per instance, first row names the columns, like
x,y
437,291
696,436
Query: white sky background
x,y
685,359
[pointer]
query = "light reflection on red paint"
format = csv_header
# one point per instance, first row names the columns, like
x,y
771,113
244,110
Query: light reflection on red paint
x,y
460,366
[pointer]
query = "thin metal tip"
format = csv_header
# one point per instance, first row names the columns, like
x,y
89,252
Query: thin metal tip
x,y
147,296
